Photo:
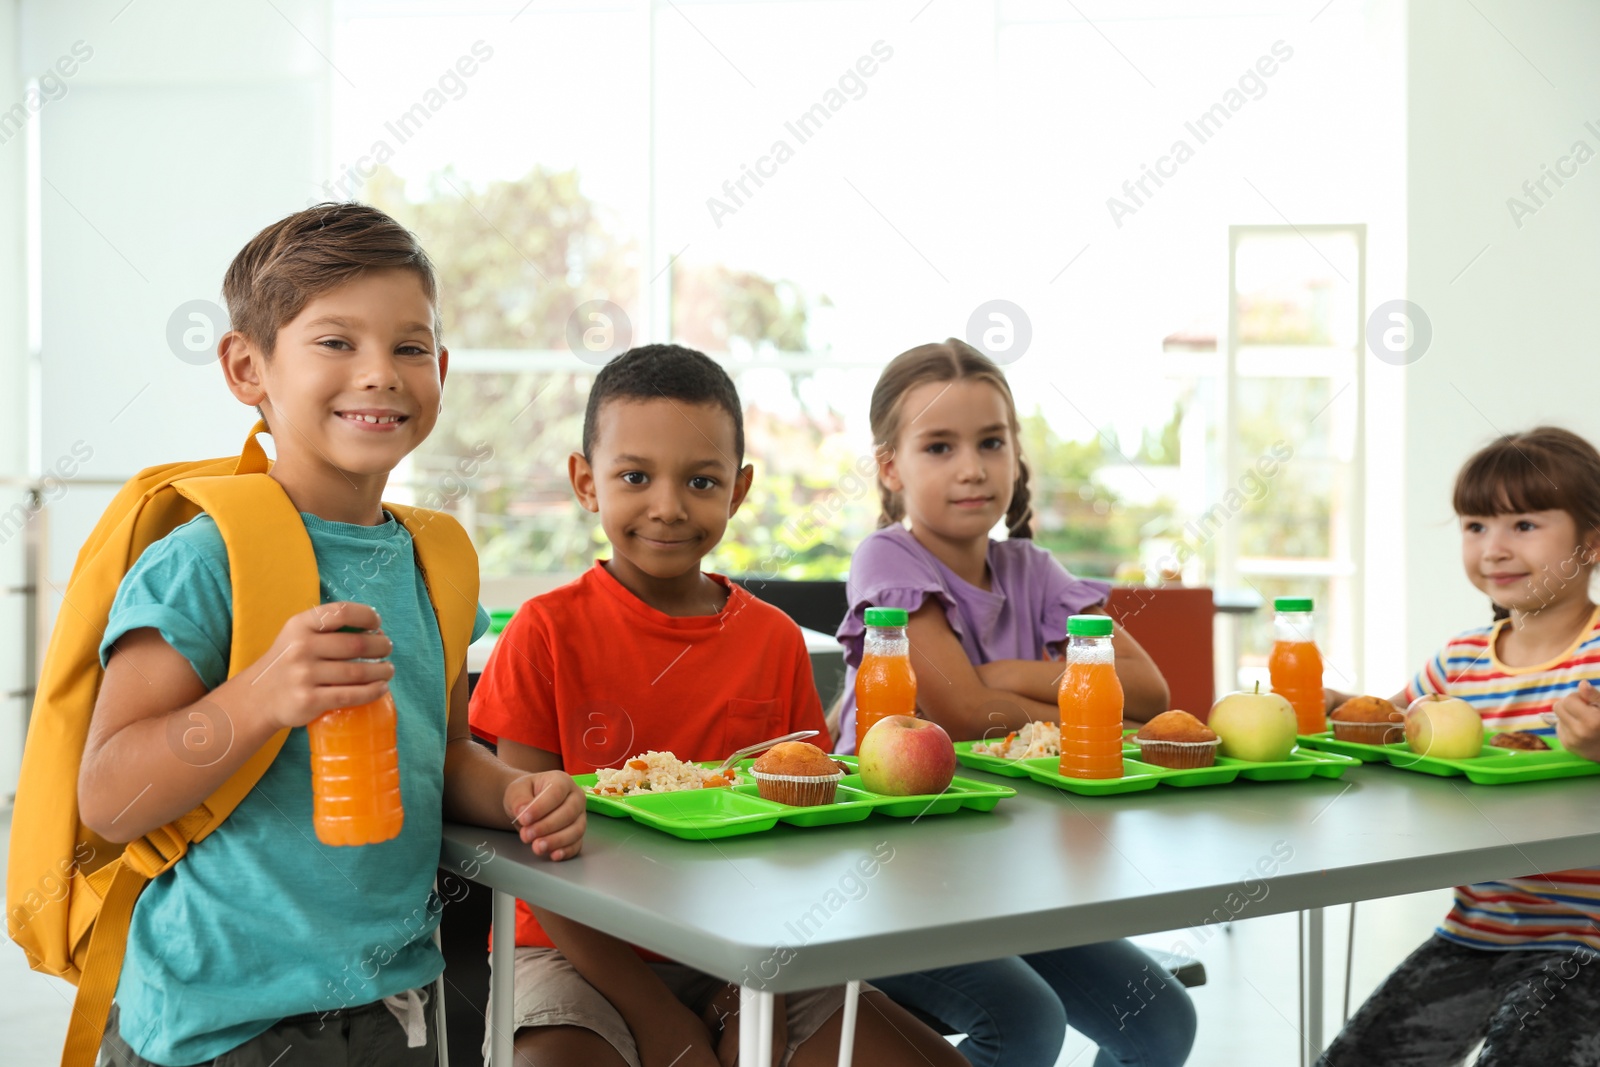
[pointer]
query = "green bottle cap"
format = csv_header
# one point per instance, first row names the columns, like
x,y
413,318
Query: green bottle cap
x,y
498,620
886,616
1089,626
1292,603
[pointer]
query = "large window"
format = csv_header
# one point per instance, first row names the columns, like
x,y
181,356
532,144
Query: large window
x,y
804,190
1294,376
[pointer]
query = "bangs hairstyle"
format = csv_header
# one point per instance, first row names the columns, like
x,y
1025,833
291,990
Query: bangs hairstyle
x,y
952,360
1543,469
297,259
657,372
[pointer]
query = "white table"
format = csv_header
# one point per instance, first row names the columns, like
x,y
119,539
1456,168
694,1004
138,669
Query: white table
x,y
1045,870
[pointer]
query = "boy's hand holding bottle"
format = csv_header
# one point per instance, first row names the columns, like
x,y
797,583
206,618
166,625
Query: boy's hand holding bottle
x,y
313,668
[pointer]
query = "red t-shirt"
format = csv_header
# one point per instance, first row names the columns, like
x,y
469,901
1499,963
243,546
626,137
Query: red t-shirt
x,y
594,675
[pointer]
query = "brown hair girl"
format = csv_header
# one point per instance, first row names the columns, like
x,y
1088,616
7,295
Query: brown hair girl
x,y
1542,469
950,361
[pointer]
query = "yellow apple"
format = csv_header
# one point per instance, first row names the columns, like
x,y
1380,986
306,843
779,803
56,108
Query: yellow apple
x,y
1444,727
1255,726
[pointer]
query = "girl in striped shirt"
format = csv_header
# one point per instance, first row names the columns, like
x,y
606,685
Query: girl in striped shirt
x,y
1516,963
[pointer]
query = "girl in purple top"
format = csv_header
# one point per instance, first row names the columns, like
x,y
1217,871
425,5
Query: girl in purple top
x,y
987,619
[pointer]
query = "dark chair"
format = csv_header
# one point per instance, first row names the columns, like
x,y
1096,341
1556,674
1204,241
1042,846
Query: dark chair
x,y
464,940
816,605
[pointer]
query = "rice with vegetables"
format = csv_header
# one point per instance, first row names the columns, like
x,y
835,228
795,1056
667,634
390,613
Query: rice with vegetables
x,y
656,772
1034,740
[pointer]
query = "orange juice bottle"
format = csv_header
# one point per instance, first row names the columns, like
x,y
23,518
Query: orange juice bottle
x,y
355,773
885,683
1090,698
1295,663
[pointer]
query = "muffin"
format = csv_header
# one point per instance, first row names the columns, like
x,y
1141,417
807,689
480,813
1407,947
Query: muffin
x,y
796,773
1367,721
1523,740
1177,740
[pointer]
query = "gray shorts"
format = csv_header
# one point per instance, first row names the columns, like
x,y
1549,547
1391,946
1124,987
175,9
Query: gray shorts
x,y
1527,1006
550,992
367,1035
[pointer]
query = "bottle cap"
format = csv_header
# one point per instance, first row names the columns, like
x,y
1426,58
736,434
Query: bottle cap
x,y
886,616
1292,603
1089,626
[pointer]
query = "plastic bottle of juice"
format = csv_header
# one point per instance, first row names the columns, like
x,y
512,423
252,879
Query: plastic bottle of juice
x,y
1090,698
355,773
1295,663
885,683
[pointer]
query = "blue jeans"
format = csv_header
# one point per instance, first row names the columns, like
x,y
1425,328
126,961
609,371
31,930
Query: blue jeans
x,y
1015,1011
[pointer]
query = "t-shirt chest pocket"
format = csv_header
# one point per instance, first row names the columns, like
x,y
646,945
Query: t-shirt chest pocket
x,y
749,722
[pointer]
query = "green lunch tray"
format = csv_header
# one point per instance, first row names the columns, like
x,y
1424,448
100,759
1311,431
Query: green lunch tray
x,y
704,814
1138,776
1496,766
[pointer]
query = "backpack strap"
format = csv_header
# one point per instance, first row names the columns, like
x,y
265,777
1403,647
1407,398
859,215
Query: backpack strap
x,y
450,568
148,489
273,574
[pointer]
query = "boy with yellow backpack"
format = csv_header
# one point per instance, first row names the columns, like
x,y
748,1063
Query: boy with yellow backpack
x,y
230,603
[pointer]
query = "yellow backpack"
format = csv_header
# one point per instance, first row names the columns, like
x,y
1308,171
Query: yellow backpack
x,y
69,892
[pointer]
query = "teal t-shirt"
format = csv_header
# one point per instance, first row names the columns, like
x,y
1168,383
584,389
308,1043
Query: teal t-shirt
x,y
260,920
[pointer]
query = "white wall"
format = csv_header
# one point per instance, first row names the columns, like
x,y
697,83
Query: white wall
x,y
1381,96
188,127
192,126
13,401
1515,332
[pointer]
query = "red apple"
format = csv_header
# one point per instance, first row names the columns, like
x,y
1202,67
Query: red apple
x,y
903,756
1444,727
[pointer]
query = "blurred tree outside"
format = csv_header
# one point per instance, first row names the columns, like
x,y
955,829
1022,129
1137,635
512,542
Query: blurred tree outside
x,y
1083,523
514,258
715,309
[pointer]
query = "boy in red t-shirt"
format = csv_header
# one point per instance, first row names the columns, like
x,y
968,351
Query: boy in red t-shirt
x,y
645,651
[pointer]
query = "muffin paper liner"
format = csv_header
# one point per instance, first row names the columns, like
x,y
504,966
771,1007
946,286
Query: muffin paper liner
x,y
798,790
1368,733
1179,755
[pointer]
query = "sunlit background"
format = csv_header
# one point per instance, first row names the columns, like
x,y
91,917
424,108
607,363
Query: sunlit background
x,y
1200,215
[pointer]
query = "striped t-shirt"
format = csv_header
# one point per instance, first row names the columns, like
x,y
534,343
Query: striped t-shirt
x,y
1547,911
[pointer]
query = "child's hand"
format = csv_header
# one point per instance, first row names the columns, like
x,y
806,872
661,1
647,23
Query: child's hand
x,y
1578,721
547,810
312,667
